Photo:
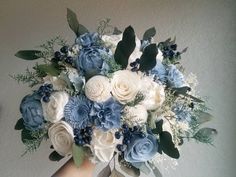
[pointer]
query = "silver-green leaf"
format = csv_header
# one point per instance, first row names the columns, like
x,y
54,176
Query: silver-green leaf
x,y
78,155
28,54
106,172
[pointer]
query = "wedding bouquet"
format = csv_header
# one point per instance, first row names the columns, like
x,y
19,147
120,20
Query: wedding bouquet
x,y
111,95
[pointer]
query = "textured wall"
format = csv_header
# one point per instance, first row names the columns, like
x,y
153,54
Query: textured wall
x,y
206,27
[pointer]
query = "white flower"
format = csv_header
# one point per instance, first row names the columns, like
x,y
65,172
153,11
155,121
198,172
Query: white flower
x,y
53,111
58,84
103,144
159,55
136,53
154,94
61,136
98,88
111,41
125,85
136,115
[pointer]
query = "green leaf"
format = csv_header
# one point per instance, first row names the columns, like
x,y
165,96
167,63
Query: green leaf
x,y
125,47
28,54
151,32
116,173
155,170
205,135
106,172
51,69
158,128
19,124
54,156
74,23
130,170
167,146
203,117
78,154
26,135
148,58
181,90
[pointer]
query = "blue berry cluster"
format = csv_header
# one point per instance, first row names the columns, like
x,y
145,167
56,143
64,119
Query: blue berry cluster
x,y
169,50
128,134
45,92
135,65
83,136
62,55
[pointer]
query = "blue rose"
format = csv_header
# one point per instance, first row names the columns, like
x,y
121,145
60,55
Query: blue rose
x,y
88,39
91,61
174,77
160,72
77,112
32,112
141,149
107,115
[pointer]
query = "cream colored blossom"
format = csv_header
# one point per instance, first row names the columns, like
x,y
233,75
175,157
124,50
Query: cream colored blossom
x,y
136,115
98,88
125,85
53,111
61,136
111,41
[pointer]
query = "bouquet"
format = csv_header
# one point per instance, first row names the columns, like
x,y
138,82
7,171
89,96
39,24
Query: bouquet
x,y
111,95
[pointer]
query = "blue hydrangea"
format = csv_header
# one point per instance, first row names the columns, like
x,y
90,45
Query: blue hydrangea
x,y
141,149
77,112
182,112
32,112
88,39
160,72
91,61
174,77
107,115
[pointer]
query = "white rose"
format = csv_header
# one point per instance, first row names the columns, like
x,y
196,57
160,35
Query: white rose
x,y
53,111
103,144
98,88
61,136
125,85
136,115
58,84
154,94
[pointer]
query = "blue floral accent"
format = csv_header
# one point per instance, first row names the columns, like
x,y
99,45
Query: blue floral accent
x,y
174,77
91,60
107,115
88,39
32,112
77,112
182,112
141,148
160,72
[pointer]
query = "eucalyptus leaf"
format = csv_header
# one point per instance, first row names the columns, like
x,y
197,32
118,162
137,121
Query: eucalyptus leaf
x,y
181,90
74,23
131,170
203,117
28,54
116,173
78,154
54,156
167,145
205,135
106,172
148,58
155,170
125,47
19,124
51,69
151,32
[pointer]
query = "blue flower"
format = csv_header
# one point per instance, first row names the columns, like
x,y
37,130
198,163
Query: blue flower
x,y
160,72
91,61
182,112
174,77
107,115
141,149
88,39
32,112
77,112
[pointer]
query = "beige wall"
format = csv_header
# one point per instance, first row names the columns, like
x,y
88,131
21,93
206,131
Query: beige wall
x,y
206,27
